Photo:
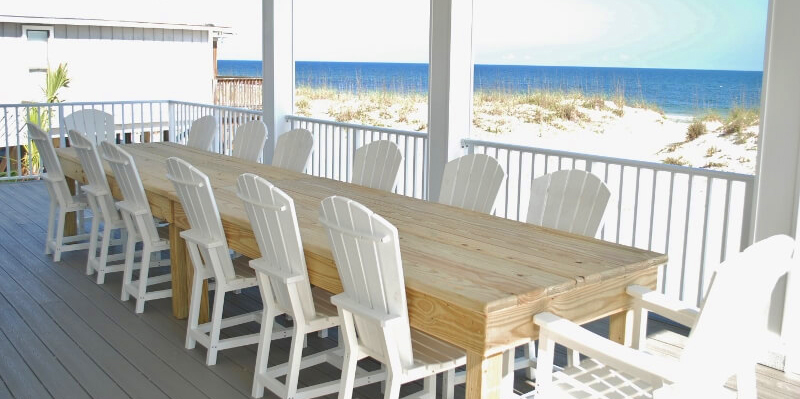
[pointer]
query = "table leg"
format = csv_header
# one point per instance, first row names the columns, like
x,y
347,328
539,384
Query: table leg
x,y
71,219
182,274
620,327
484,376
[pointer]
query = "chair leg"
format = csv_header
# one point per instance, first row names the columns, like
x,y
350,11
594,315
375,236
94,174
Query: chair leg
x,y
92,243
144,273
194,310
529,350
59,243
392,385
262,356
102,260
50,221
216,321
429,387
127,273
295,357
448,384
349,367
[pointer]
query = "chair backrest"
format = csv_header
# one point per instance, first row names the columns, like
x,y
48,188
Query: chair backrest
x,y
95,124
472,182
367,253
248,143
376,165
274,222
130,183
202,132
568,200
200,206
293,150
731,329
57,184
95,173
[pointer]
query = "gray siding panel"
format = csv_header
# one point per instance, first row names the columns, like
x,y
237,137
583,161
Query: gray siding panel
x,y
8,29
60,31
72,32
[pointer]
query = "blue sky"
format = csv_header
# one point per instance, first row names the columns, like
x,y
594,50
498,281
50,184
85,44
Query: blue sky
x,y
694,34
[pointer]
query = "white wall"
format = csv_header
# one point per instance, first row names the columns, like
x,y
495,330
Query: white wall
x,y
113,64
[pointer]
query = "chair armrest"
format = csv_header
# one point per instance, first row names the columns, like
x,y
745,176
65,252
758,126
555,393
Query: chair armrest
x,y
127,207
261,265
678,311
640,364
385,320
52,179
194,238
94,190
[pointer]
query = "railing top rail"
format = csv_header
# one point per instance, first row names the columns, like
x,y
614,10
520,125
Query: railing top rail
x,y
611,160
219,107
357,126
26,104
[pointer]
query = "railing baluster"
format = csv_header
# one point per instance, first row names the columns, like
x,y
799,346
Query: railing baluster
x,y
686,236
701,273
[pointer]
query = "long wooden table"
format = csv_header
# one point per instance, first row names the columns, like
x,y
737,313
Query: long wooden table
x,y
473,280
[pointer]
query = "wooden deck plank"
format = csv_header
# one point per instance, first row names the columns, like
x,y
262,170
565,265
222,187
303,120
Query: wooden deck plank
x,y
15,373
163,364
82,368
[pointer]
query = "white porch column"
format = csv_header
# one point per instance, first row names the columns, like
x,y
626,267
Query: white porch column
x,y
778,174
449,85
278,64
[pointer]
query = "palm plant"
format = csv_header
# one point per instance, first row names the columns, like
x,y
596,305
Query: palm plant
x,y
55,80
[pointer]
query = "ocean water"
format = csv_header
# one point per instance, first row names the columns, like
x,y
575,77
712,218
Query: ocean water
x,y
676,91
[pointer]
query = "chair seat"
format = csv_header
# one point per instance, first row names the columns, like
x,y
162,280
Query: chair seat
x,y
592,379
432,355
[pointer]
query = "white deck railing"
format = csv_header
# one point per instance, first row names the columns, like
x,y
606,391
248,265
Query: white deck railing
x,y
696,216
336,142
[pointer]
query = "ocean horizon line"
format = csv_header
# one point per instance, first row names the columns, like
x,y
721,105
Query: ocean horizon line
x,y
513,65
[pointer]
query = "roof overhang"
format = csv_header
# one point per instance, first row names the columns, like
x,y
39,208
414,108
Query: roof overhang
x,y
211,28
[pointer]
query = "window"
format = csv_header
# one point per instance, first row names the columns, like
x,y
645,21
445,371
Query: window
x,y
37,39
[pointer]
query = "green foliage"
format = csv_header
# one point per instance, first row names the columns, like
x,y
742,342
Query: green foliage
x,y
675,161
55,80
740,119
695,130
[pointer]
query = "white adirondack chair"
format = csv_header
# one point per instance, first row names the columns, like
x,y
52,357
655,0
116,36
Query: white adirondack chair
x,y
141,227
285,289
104,211
208,250
570,200
726,339
61,200
373,309
95,124
248,143
472,182
202,132
293,150
376,165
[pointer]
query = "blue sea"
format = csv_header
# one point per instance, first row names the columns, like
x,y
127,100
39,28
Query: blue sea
x,y
676,91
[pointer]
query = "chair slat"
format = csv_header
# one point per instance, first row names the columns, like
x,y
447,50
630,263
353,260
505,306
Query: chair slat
x,y
202,132
98,126
377,164
569,200
248,143
472,182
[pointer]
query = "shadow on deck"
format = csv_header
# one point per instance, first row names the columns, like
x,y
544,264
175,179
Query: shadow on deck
x,y
62,335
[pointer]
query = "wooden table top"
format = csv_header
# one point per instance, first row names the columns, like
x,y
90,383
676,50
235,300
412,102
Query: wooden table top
x,y
471,262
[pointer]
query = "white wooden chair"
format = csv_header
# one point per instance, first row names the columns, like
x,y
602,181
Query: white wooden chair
x,y
373,309
211,259
202,133
570,200
285,289
376,165
141,227
95,124
248,143
103,209
727,337
293,150
61,200
472,182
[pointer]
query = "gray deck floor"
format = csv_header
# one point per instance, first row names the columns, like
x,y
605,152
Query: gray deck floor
x,y
63,336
